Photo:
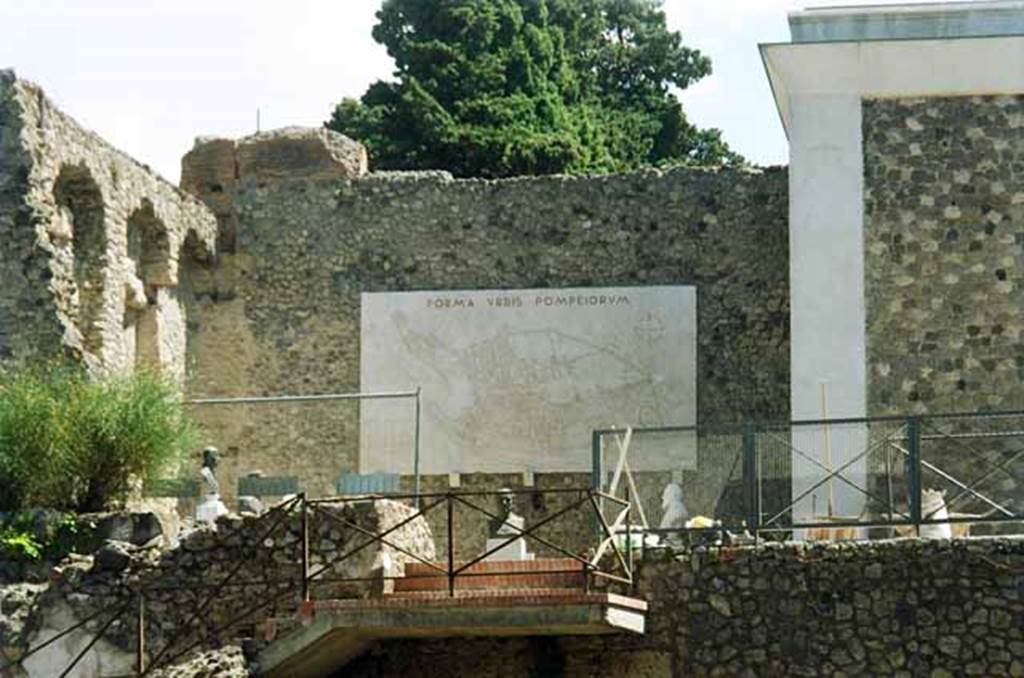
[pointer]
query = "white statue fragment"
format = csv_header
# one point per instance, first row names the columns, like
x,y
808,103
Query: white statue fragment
x,y
674,513
933,507
211,506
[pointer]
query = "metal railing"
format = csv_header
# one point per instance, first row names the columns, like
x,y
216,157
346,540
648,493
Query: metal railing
x,y
452,569
298,592
845,478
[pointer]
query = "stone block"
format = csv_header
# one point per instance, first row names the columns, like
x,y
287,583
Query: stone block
x,y
113,556
515,550
293,152
210,166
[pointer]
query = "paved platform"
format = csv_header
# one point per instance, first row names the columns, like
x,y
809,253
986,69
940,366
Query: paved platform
x,y
341,630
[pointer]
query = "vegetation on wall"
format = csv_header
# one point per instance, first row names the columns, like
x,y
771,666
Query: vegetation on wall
x,y
507,87
73,443
26,536
18,544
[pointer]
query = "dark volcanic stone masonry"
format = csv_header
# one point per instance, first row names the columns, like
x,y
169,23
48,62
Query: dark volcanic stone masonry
x,y
944,231
935,609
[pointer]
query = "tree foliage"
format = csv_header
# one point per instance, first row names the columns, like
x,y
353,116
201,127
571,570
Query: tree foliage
x,y
507,87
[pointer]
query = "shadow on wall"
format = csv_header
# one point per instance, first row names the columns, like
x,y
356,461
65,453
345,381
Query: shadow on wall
x,y
149,251
81,225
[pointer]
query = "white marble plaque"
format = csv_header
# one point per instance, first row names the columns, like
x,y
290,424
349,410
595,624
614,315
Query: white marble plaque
x,y
516,380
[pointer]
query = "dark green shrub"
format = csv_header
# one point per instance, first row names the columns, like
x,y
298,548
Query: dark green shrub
x,y
72,443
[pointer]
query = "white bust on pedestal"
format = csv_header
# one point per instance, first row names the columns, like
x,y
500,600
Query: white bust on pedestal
x,y
503,528
211,507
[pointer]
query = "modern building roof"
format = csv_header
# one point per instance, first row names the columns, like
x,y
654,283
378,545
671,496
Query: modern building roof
x,y
908,21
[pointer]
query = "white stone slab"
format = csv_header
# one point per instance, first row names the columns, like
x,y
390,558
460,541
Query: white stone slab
x,y
514,550
517,380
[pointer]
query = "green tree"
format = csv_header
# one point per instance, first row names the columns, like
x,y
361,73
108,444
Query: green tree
x,y
507,87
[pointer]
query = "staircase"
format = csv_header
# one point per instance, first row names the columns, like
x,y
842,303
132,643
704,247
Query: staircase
x,y
550,575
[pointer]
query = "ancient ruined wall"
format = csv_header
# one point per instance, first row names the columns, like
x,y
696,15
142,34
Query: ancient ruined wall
x,y
281,313
24,270
944,229
91,243
893,608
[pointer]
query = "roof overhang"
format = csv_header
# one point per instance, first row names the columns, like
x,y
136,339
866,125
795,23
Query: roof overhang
x,y
891,68
930,20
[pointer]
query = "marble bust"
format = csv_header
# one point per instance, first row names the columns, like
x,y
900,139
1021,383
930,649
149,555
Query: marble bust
x,y
508,523
211,507
208,472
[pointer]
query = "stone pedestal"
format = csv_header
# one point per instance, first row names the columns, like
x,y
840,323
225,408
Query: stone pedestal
x,y
210,509
515,550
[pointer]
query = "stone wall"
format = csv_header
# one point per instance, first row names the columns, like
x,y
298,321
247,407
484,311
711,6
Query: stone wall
x,y
217,584
280,314
891,608
944,229
92,244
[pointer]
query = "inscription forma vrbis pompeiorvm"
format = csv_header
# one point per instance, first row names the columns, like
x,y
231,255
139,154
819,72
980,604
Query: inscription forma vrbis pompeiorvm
x,y
516,380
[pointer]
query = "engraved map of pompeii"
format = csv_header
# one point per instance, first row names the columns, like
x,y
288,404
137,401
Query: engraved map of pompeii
x,y
516,380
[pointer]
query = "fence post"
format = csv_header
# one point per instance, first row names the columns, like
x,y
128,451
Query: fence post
x,y
629,534
140,635
451,546
597,473
305,547
914,472
751,479
416,445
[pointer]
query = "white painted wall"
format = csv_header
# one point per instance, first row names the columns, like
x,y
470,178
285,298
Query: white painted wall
x,y
827,256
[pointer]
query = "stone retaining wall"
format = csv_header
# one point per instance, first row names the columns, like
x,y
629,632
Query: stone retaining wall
x,y
217,584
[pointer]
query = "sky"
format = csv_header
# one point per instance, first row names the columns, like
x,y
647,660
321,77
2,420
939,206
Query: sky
x,y
152,75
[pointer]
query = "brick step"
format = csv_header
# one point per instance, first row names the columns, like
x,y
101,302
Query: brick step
x,y
501,566
546,573
512,593
534,580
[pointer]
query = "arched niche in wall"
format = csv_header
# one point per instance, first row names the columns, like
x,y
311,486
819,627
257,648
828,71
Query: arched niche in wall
x,y
149,246
80,205
149,251
193,253
194,271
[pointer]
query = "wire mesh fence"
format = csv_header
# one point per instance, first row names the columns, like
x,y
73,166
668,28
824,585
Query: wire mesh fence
x,y
972,471
935,475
